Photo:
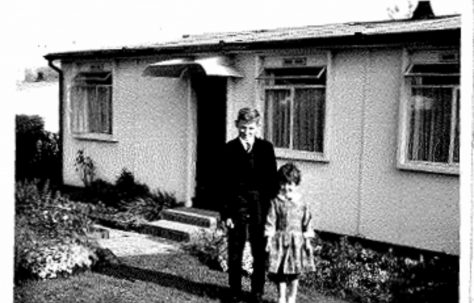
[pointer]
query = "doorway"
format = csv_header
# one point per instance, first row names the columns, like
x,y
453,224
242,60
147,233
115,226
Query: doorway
x,y
211,97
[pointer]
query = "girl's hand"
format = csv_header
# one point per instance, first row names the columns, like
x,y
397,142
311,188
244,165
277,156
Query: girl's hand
x,y
229,223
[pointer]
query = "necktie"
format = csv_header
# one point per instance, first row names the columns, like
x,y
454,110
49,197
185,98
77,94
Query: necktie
x,y
247,146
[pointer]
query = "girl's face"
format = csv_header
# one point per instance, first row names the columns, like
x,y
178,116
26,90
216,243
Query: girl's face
x,y
288,188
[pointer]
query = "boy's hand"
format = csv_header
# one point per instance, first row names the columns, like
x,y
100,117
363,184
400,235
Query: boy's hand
x,y
268,245
307,244
229,223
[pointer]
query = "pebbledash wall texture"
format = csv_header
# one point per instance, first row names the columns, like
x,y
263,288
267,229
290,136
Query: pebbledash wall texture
x,y
357,189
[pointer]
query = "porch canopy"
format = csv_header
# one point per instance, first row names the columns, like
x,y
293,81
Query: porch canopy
x,y
210,66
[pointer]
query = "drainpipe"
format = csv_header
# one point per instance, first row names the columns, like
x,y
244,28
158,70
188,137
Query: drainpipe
x,y
61,117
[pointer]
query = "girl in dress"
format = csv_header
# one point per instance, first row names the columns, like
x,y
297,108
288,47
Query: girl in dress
x,y
288,232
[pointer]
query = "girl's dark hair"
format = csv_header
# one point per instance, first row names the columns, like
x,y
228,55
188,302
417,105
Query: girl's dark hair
x,y
289,173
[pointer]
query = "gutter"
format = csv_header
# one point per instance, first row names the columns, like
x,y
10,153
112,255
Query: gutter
x,y
61,116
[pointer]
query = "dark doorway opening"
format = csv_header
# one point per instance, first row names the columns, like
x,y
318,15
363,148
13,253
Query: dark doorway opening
x,y
211,96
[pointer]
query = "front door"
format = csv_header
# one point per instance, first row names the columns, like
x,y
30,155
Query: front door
x,y
211,137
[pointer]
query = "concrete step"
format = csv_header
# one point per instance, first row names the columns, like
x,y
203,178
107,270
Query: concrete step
x,y
191,216
172,230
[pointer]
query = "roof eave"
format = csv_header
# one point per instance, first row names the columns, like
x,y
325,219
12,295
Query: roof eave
x,y
432,37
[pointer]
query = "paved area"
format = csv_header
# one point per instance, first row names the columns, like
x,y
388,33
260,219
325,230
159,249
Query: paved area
x,y
123,243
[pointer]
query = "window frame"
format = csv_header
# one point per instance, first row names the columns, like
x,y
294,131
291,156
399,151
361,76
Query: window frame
x,y
321,59
403,163
77,83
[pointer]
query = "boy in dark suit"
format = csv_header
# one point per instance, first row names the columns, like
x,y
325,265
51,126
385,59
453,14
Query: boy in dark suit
x,y
249,182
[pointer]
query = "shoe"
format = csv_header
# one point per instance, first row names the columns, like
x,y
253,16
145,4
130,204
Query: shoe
x,y
236,299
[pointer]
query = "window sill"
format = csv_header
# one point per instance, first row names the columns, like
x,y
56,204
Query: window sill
x,y
283,153
428,167
95,137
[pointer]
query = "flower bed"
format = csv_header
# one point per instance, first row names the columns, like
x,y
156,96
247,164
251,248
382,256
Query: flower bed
x,y
358,272
50,234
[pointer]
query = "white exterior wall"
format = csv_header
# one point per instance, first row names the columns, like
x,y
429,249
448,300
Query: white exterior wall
x,y
360,191
149,125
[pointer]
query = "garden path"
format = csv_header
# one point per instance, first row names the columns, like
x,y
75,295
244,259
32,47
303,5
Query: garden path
x,y
128,244
124,243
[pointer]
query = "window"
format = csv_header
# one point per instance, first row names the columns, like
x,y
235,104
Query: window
x,y
432,124
295,108
91,102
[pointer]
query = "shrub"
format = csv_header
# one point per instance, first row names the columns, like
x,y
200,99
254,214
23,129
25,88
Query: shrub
x,y
104,192
85,167
150,206
50,260
50,233
37,150
347,269
211,249
128,188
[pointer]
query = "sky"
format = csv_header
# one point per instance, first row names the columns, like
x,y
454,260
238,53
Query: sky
x,y
36,28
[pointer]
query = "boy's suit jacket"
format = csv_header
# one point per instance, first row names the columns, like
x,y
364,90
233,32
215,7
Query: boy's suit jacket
x,y
235,178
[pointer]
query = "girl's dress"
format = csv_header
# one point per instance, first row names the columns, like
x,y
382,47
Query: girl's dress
x,y
287,227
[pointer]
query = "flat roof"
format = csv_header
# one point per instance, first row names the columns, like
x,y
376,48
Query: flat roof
x,y
348,33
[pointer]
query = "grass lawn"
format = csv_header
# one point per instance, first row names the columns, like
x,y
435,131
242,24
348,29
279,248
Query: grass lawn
x,y
167,278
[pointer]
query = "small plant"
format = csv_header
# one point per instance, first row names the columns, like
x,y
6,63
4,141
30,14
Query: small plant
x,y
85,167
211,249
128,188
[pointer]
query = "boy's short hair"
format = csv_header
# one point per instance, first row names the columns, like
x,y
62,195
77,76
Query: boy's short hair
x,y
248,114
289,173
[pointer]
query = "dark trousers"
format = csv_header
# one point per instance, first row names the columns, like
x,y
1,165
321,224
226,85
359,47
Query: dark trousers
x,y
246,227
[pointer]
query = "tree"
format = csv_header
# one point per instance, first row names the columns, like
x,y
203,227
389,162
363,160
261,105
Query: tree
x,y
37,150
402,9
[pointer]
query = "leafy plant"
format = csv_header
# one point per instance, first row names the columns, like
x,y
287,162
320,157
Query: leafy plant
x,y
50,233
128,188
347,269
210,247
85,167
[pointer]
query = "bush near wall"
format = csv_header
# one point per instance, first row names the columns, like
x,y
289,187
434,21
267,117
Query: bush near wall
x,y
125,204
37,150
358,271
376,272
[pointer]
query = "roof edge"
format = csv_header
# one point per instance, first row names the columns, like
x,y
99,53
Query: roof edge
x,y
435,36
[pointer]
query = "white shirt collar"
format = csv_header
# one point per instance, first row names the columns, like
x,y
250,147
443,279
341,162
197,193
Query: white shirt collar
x,y
244,143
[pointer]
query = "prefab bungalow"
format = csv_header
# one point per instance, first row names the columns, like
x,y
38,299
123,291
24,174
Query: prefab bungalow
x,y
369,111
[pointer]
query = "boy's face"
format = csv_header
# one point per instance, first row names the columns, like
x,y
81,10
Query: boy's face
x,y
247,130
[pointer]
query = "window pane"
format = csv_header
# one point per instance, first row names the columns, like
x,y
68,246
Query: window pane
x,y
296,76
430,124
277,113
79,109
104,108
93,110
308,119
